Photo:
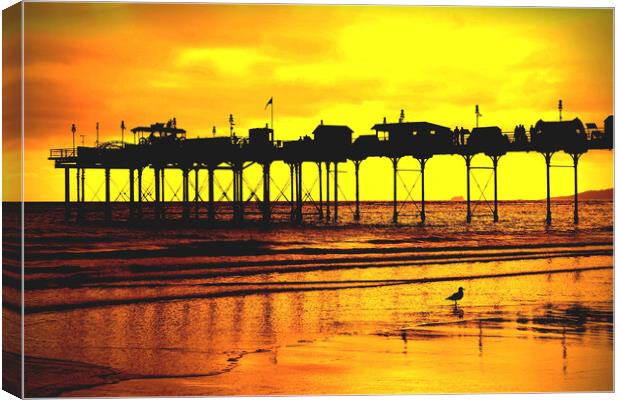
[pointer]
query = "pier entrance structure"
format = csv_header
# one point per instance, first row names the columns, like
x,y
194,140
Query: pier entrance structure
x,y
162,147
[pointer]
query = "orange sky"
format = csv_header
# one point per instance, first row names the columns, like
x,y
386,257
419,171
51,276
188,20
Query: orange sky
x,y
348,65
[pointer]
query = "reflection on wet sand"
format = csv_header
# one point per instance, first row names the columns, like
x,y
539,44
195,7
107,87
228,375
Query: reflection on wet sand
x,y
215,346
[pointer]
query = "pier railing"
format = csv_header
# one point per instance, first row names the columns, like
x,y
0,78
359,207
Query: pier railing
x,y
62,153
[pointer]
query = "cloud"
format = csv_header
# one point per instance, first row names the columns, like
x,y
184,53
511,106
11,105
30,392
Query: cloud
x,y
345,64
235,61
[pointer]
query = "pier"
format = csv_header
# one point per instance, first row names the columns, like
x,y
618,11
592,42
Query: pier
x,y
163,147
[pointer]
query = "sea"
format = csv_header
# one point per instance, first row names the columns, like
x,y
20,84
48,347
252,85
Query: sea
x,y
197,308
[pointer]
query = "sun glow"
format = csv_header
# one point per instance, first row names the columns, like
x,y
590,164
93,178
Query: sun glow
x,y
350,65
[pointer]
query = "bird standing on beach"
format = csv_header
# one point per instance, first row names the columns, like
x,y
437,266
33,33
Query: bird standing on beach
x,y
456,296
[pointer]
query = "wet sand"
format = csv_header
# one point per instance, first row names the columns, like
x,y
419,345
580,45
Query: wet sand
x,y
501,347
479,355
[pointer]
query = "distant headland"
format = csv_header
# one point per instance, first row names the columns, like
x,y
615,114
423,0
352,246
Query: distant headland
x,y
603,194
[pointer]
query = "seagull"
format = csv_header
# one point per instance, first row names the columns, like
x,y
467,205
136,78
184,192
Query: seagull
x,y
456,296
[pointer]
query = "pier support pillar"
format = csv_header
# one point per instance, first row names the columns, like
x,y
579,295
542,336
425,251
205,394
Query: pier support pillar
x,y
162,203
575,158
238,193
548,163
336,191
356,164
211,205
81,196
77,186
83,184
78,197
320,191
495,160
327,211
293,185
468,167
185,194
157,176
67,194
423,201
108,206
266,192
395,182
241,201
196,193
139,193
300,194
235,194
131,194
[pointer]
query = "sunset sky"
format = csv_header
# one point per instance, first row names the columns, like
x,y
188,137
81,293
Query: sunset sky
x,y
349,65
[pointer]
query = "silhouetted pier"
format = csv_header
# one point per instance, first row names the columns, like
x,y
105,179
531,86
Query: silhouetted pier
x,y
164,146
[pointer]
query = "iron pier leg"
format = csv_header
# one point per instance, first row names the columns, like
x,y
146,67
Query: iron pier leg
x,y
131,194
293,184
162,204
423,209
196,193
495,209
328,213
395,206
266,192
82,195
336,192
548,162
77,185
140,193
320,191
300,194
108,209
357,190
235,194
211,206
185,194
468,167
157,194
576,209
67,194
241,201
83,186
78,197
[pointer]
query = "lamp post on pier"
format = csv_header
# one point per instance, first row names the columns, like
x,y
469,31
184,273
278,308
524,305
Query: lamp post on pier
x,y
123,133
73,130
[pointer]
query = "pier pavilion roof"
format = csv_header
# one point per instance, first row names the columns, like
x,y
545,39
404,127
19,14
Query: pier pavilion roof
x,y
409,127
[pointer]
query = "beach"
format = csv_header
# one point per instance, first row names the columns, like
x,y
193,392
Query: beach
x,y
353,308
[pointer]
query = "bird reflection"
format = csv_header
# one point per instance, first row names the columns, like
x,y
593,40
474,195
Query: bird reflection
x,y
274,357
564,352
458,312
480,337
403,336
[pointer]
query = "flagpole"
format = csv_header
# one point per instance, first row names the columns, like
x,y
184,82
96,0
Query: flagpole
x,y
272,132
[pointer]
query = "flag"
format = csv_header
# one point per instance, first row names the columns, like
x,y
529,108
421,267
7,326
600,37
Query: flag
x,y
270,102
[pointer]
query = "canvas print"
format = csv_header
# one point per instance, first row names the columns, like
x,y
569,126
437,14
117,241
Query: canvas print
x,y
252,199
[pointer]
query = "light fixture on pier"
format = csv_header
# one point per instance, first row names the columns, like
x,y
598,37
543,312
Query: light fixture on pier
x,y
123,133
73,130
